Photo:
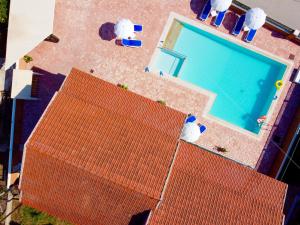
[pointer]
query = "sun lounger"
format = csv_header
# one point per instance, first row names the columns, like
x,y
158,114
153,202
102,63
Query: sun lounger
x,y
138,28
239,25
250,35
131,43
190,119
219,18
205,11
202,128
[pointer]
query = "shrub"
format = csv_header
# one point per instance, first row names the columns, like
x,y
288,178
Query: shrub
x,y
3,11
123,86
220,149
161,102
31,216
27,58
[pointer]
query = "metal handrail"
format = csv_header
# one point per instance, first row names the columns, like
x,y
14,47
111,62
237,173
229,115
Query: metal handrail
x,y
173,52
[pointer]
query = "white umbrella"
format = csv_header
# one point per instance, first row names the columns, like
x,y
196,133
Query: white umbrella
x,y
190,132
255,18
220,5
124,28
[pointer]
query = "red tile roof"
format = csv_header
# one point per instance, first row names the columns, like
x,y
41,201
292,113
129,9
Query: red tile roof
x,y
76,195
97,92
98,139
205,188
101,154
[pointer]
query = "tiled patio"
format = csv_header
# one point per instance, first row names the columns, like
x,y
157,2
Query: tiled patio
x,y
77,24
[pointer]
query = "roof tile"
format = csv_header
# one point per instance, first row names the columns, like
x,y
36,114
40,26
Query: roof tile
x,y
207,188
105,134
101,154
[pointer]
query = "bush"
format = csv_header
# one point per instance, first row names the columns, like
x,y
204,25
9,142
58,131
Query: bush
x,y
27,58
3,11
161,102
220,149
30,216
123,86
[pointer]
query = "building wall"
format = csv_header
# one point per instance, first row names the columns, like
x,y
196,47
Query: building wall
x,y
30,22
286,143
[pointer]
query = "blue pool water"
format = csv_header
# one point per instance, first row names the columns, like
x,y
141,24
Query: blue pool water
x,y
242,80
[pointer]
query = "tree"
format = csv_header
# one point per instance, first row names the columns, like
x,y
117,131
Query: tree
x,y
3,11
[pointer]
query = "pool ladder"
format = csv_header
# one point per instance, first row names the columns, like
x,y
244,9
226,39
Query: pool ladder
x,y
174,53
178,58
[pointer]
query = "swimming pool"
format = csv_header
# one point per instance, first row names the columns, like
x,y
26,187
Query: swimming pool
x,y
242,80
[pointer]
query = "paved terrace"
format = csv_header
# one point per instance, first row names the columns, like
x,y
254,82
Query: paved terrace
x,y
77,24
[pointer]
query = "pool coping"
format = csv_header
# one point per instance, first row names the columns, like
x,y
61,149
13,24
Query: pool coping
x,y
211,96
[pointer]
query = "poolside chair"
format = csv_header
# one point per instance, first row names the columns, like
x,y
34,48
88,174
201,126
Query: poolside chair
x,y
250,35
202,128
205,11
138,28
239,25
191,118
219,18
131,43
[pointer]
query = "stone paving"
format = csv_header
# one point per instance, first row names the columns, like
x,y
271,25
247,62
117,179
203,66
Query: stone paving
x,y
84,30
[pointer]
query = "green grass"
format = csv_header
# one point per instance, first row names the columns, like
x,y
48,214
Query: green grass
x,y
29,216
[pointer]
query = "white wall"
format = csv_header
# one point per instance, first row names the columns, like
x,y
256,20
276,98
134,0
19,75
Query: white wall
x,y
30,22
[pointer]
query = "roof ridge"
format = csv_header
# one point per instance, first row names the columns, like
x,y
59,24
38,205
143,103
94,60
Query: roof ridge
x,y
170,169
167,179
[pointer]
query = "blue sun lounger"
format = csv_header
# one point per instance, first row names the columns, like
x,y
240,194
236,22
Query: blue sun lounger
x,y
131,43
190,119
219,18
202,128
205,11
250,35
138,28
239,25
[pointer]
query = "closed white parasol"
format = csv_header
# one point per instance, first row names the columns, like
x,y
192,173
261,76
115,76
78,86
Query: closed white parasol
x,y
255,18
190,132
220,5
124,28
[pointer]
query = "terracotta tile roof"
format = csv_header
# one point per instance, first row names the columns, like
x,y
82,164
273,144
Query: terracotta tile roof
x,y
95,91
101,150
205,188
76,195
101,154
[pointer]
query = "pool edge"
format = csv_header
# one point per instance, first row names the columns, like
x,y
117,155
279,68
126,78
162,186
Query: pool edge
x,y
271,116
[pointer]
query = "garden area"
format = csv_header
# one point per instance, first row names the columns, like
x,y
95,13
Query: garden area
x,y
28,216
24,215
21,214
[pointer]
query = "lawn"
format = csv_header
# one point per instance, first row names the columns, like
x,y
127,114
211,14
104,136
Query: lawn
x,y
29,216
